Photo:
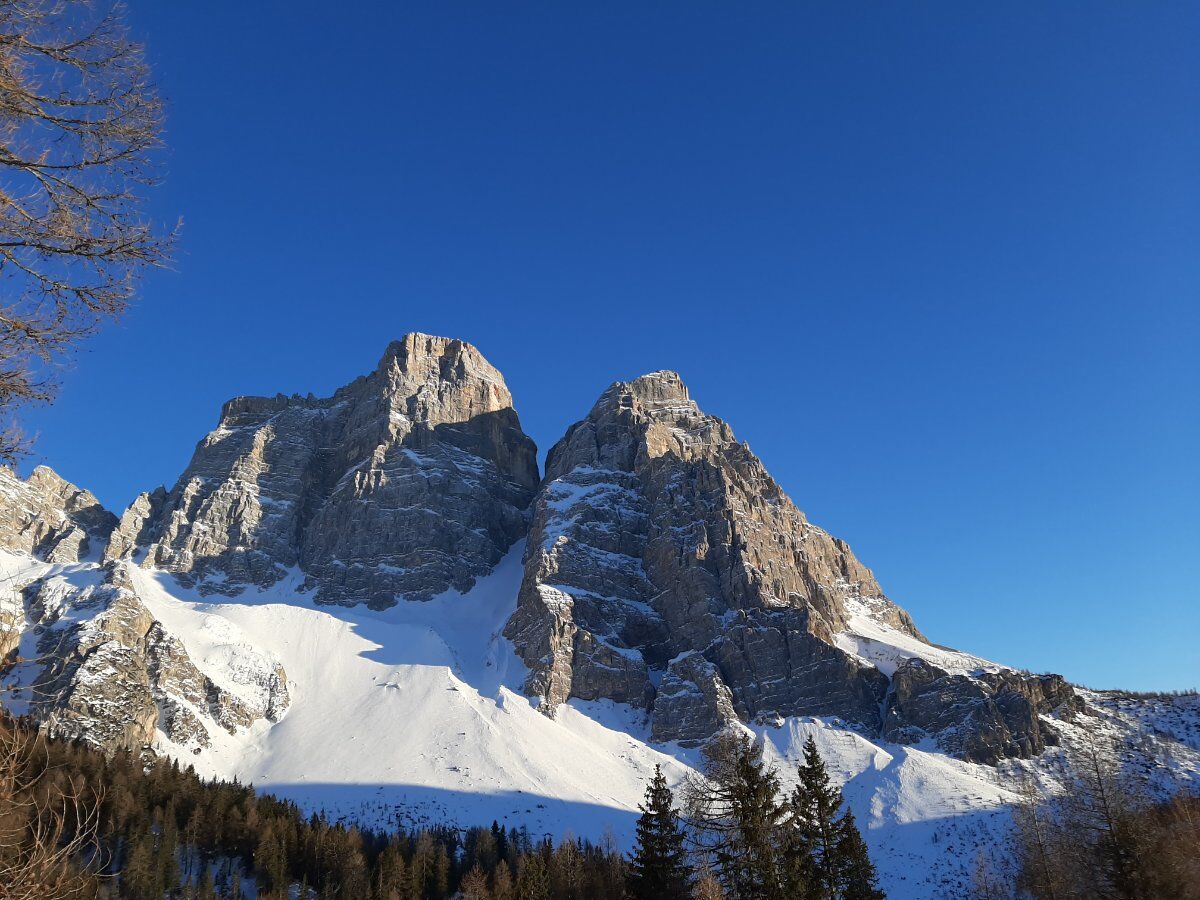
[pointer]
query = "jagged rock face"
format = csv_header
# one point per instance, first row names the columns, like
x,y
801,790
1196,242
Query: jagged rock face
x,y
110,674
692,703
411,480
984,717
138,525
664,567
656,533
48,517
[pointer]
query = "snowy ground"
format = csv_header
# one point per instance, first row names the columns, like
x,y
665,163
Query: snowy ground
x,y
414,714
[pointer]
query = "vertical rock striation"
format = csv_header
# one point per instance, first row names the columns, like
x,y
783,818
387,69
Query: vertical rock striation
x,y
108,673
408,481
656,536
48,517
666,569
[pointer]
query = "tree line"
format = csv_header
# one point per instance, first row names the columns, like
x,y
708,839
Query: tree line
x,y
76,824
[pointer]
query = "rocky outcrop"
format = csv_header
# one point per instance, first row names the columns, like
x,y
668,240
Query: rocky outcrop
x,y
108,673
656,534
48,517
984,717
408,481
138,526
693,702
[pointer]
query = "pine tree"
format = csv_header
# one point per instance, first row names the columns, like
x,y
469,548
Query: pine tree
x,y
857,878
826,858
501,838
738,819
533,881
659,867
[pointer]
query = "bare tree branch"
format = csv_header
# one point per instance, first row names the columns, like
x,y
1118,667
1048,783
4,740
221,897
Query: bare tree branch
x,y
80,119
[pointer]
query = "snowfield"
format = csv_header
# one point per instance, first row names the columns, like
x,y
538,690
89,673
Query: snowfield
x,y
415,715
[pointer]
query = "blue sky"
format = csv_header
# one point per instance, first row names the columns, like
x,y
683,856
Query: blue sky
x,y
938,263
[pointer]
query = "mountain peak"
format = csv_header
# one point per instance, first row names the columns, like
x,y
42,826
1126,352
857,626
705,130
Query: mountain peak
x,y
663,384
651,394
409,480
438,358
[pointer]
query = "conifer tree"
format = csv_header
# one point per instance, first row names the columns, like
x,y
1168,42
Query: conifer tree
x,y
500,836
533,881
738,819
826,858
707,888
859,880
659,866
502,882
269,859
206,891
474,885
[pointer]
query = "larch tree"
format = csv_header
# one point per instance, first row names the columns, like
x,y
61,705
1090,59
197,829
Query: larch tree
x,y
707,888
80,119
474,885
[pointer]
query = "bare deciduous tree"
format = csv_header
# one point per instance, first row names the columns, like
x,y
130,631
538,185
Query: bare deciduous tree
x,y
48,824
79,120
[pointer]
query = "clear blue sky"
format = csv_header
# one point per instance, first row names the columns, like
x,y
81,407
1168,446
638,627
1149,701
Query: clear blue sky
x,y
938,263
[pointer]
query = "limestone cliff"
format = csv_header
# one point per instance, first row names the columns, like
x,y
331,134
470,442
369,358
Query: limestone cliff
x,y
408,481
666,568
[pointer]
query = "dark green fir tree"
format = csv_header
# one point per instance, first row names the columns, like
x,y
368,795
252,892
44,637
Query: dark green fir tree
x,y
826,857
658,869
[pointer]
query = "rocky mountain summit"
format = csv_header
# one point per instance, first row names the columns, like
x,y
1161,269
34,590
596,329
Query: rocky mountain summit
x,y
667,569
664,567
408,481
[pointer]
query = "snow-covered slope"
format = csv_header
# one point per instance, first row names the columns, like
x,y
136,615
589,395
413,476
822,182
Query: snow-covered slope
x,y
872,639
415,714
410,713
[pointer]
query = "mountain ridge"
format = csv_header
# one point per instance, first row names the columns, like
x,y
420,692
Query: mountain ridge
x,y
380,587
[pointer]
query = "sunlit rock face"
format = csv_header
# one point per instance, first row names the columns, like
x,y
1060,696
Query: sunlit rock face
x,y
656,534
47,516
664,569
103,670
408,481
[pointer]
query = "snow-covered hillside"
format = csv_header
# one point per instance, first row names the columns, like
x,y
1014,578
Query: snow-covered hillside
x,y
414,714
